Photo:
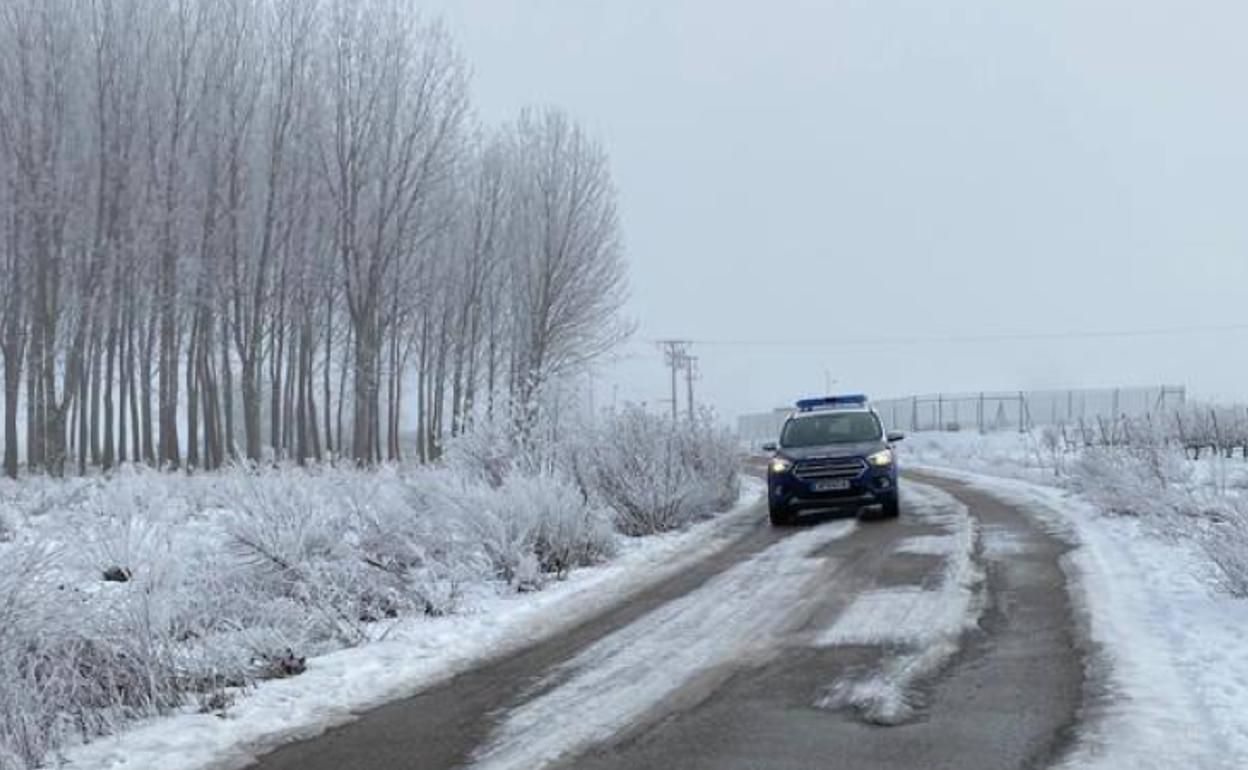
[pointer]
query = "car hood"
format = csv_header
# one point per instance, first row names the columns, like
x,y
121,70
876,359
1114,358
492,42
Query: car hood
x,y
827,451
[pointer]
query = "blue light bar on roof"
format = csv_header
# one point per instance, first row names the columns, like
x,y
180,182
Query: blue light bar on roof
x,y
832,402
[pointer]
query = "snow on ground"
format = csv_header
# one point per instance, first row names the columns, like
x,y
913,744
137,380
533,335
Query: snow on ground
x,y
136,594
414,656
924,626
607,688
912,615
1169,668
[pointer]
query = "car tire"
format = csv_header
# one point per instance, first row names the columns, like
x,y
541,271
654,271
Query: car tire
x,y
891,507
780,516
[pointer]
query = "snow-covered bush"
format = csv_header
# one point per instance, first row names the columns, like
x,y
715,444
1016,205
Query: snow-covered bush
x,y
294,548
656,475
137,598
530,526
653,474
1182,498
488,451
1134,480
76,661
126,596
566,529
30,721
404,528
1226,541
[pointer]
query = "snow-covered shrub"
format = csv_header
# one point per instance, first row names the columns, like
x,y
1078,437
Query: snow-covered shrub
x,y
507,536
293,548
566,529
529,526
403,528
1050,448
340,550
1225,539
130,595
125,537
655,475
77,663
30,722
487,452
1135,480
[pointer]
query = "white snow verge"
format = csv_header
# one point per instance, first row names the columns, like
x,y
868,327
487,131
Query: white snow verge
x,y
1169,647
337,687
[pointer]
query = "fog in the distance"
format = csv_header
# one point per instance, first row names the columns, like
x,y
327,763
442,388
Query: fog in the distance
x,y
863,170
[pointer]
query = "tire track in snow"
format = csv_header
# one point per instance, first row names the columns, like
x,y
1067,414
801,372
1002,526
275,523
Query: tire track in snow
x,y
608,688
924,625
1007,699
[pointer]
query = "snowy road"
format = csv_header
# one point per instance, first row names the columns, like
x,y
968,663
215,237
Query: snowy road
x,y
944,639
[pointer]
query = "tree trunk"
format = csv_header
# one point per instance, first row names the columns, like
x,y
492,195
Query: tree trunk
x,y
12,389
192,397
365,428
227,392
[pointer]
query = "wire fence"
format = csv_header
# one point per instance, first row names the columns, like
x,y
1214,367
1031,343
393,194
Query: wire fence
x,y
1021,410
995,411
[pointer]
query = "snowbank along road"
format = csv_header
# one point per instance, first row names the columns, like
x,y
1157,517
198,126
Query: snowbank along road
x,y
944,639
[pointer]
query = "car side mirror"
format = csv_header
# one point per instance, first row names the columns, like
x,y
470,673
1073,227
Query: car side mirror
x,y
770,446
895,435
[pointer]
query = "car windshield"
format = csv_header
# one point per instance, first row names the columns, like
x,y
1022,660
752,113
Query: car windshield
x,y
831,428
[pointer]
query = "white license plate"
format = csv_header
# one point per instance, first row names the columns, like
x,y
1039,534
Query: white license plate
x,y
832,485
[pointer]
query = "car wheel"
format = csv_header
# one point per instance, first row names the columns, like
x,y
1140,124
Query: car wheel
x,y
780,516
892,507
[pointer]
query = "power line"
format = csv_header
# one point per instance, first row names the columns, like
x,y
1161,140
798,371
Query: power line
x,y
971,338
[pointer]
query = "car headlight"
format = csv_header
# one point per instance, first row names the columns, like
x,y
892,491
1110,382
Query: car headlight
x,y
881,458
781,465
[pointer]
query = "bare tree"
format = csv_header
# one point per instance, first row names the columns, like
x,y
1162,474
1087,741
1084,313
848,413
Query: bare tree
x,y
12,287
396,106
43,109
275,213
567,274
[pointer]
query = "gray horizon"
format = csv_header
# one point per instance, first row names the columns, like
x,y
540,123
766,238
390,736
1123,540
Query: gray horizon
x,y
860,171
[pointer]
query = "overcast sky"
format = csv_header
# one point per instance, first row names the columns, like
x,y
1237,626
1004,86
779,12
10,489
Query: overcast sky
x,y
821,171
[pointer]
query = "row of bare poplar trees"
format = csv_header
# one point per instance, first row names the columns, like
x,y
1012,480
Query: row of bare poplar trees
x,y
253,228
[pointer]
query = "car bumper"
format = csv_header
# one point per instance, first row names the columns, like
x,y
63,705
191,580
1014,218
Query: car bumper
x,y
872,487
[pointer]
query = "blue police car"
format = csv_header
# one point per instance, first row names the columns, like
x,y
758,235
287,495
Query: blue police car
x,y
833,453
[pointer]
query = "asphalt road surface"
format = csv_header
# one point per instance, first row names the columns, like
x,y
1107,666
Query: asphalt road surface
x,y
944,639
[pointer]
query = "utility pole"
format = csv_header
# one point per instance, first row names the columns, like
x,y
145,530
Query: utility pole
x,y
690,374
674,354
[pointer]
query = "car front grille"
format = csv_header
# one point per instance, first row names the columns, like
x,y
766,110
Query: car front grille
x,y
830,468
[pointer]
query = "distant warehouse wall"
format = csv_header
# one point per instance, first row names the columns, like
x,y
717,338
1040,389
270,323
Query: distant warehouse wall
x,y
994,410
